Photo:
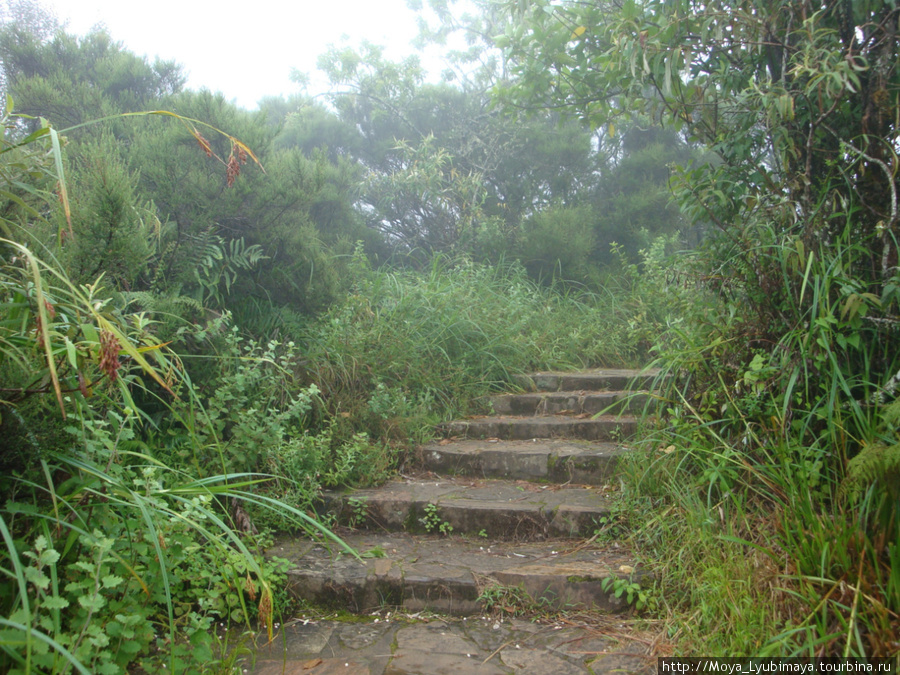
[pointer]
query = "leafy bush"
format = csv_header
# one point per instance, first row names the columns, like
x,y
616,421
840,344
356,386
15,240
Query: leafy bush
x,y
132,555
249,399
558,242
112,557
115,229
780,438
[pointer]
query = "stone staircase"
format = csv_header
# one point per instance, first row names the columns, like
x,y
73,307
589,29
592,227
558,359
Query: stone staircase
x,y
507,500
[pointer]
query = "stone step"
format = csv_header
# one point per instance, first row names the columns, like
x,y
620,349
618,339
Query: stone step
x,y
560,461
510,510
397,643
614,379
449,574
569,403
518,428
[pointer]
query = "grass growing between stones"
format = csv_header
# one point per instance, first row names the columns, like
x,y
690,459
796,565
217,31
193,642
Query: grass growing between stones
x,y
716,594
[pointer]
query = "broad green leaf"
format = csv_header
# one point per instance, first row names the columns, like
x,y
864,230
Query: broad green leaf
x,y
111,581
90,333
49,557
55,602
71,352
93,603
38,578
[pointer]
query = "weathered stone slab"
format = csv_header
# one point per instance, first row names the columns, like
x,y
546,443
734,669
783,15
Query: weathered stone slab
x,y
537,662
557,460
489,508
624,664
315,666
567,430
305,640
448,574
382,645
613,379
568,403
602,428
436,663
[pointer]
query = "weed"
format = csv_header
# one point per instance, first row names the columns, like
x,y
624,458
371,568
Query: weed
x,y
634,594
432,521
508,600
441,326
359,509
512,601
612,527
374,552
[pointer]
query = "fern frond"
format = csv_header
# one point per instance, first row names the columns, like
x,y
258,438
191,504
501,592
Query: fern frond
x,y
143,299
877,463
162,304
892,413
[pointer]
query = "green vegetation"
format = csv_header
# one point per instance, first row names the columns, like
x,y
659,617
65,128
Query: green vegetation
x,y
114,552
771,488
207,318
509,601
432,522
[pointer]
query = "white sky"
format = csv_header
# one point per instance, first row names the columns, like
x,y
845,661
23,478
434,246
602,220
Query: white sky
x,y
245,50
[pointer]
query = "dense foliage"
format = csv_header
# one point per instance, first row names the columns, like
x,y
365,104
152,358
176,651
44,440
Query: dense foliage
x,y
784,374
209,315
198,332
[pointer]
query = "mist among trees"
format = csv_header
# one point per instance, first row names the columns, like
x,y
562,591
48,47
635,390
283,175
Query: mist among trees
x,y
195,295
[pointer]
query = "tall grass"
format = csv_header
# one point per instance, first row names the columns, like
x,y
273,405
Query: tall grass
x,y
769,490
111,557
408,348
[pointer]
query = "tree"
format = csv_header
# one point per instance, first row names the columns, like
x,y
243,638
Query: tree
x,y
632,196
426,146
115,229
29,14
615,175
794,362
426,205
794,103
787,94
72,80
298,214
792,98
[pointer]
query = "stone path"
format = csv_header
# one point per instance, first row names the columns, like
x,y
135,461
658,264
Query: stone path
x,y
502,510
477,644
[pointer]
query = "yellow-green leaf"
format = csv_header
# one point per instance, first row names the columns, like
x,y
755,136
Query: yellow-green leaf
x,y
72,352
90,333
150,348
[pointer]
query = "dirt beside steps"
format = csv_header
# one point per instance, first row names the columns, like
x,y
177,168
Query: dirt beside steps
x,y
502,511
